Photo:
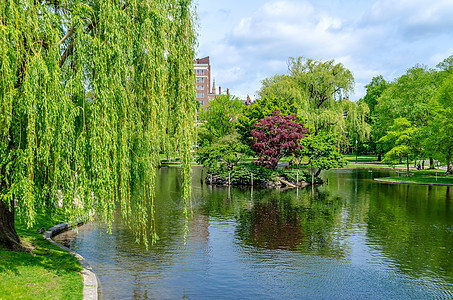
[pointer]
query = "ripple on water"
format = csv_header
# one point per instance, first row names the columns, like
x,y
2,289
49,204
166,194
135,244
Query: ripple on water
x,y
352,239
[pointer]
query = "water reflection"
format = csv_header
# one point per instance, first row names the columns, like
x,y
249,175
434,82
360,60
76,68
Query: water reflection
x,y
354,238
272,224
415,230
308,223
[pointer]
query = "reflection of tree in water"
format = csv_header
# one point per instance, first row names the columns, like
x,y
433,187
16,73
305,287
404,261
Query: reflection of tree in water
x,y
307,223
273,225
415,229
321,222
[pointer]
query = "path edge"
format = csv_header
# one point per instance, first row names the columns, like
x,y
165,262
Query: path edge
x,y
91,283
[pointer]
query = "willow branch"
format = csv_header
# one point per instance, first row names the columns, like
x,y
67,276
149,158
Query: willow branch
x,y
66,35
68,50
71,45
66,53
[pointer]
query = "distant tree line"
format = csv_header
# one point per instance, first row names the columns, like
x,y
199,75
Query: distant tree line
x,y
411,117
300,115
400,121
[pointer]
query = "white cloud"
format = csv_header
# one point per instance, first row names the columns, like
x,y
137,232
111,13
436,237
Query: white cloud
x,y
290,25
413,19
384,37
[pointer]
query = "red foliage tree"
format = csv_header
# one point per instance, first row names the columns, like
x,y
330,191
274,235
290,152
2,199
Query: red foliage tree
x,y
277,136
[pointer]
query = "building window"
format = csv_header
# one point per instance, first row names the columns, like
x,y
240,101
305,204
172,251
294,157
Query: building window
x,y
202,95
202,79
198,95
202,72
198,72
198,80
202,102
202,87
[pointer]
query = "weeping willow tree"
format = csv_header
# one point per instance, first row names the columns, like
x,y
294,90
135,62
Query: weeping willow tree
x,y
320,90
90,93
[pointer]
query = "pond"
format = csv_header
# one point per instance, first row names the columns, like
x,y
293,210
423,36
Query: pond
x,y
353,238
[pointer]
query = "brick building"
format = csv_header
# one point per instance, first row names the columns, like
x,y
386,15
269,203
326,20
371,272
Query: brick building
x,y
206,93
202,70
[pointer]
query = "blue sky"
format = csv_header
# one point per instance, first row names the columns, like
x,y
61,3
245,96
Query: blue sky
x,y
250,40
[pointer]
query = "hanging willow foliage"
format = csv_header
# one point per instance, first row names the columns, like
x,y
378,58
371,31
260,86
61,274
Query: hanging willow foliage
x,y
91,92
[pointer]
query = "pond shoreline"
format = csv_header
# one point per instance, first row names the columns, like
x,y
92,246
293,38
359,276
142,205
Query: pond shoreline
x,y
216,180
91,284
335,241
417,183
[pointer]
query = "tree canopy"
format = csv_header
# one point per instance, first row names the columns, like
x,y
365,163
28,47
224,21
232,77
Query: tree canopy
x,y
221,114
260,109
440,127
401,139
90,93
322,153
320,92
277,136
419,96
227,150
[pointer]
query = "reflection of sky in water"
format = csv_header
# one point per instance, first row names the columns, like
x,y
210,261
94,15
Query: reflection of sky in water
x,y
355,241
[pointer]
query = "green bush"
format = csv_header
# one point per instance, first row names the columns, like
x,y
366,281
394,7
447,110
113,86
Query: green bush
x,y
241,174
291,174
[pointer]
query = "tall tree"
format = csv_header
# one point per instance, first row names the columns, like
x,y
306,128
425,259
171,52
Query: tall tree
x,y
409,96
321,81
320,91
357,128
374,90
322,86
401,138
446,66
441,126
277,136
260,109
90,92
222,114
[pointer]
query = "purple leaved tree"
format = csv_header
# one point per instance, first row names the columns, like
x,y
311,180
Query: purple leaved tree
x,y
277,136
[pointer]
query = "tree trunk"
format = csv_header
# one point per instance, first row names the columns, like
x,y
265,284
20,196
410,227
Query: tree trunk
x,y
9,238
449,165
431,162
407,164
449,170
8,235
379,157
318,172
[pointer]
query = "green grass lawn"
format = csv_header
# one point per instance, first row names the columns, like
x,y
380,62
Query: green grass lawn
x,y
364,162
420,178
48,273
361,159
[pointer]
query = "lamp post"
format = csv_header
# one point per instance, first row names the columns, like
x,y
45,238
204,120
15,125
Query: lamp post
x,y
356,141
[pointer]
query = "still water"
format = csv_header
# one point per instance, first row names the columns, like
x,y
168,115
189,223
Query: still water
x,y
350,239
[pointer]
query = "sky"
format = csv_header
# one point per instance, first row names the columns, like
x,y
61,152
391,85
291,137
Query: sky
x,y
250,40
